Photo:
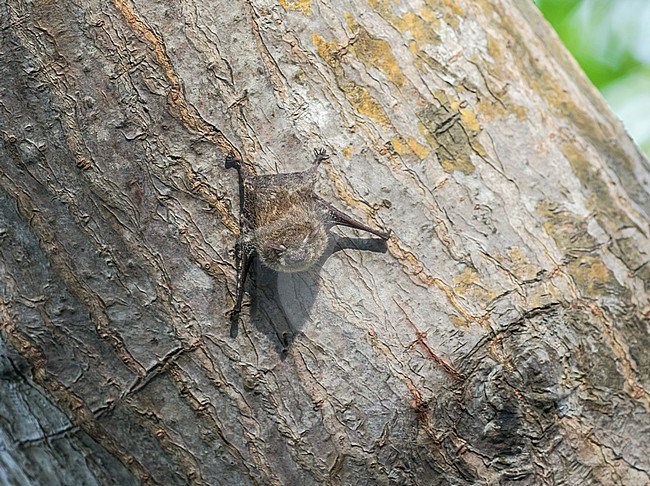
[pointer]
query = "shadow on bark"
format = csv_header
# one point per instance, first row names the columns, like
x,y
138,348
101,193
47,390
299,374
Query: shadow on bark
x,y
280,303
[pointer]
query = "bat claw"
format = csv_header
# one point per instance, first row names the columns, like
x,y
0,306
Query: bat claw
x,y
321,155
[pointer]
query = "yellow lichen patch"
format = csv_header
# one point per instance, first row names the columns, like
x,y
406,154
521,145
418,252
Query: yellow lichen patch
x,y
450,160
358,96
592,276
409,146
458,321
517,263
472,126
519,110
450,164
469,285
453,6
420,59
364,103
494,48
374,53
587,269
422,25
469,120
347,152
453,132
302,5
492,110
568,230
542,294
328,51
383,8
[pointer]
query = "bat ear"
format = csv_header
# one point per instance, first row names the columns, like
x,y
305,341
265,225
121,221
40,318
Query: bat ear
x,y
315,230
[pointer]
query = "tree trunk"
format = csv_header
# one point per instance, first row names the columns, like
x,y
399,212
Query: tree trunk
x,y
500,338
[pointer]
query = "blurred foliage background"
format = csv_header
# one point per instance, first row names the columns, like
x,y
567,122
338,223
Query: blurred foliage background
x,y
611,41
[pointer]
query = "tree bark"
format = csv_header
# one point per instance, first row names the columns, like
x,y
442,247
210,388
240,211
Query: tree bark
x,y
500,338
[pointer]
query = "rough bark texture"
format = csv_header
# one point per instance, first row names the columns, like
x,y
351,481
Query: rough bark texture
x,y
520,211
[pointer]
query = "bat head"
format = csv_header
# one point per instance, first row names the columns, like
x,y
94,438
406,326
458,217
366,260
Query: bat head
x,y
294,242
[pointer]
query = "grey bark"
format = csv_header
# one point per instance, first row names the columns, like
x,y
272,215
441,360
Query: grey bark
x,y
519,258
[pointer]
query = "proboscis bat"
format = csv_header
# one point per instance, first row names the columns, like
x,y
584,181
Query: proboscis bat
x,y
284,222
